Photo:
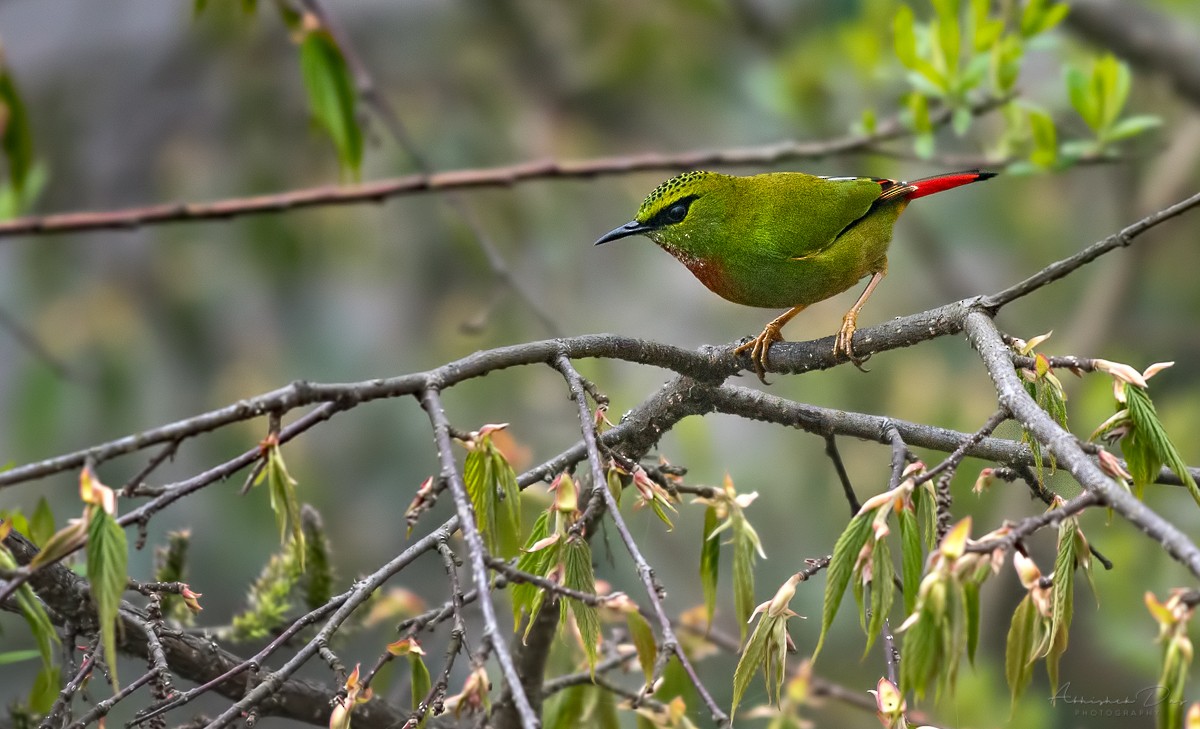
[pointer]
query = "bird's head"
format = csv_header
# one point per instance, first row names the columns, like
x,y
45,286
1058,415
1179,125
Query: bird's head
x,y
679,213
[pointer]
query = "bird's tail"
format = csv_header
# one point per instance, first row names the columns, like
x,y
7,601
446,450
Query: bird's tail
x,y
938,183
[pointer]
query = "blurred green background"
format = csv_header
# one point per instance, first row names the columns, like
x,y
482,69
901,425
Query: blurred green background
x,y
135,103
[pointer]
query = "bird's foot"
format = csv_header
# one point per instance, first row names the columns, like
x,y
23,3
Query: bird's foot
x,y
758,348
843,344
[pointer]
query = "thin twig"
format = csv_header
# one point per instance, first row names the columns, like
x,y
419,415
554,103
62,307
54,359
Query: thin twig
x,y
507,176
995,355
644,570
361,592
835,455
477,554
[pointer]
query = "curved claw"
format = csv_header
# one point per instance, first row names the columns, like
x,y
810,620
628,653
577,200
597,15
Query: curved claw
x,y
758,348
843,344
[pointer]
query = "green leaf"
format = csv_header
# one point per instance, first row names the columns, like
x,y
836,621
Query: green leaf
x,y
1083,97
775,660
643,639
743,579
971,608
1019,651
35,616
534,563
763,649
1133,126
421,685
912,560
41,524
107,571
577,560
1062,598
495,497
1114,81
284,501
477,478
1045,138
841,567
1150,443
17,136
883,590
45,689
1170,693
710,563
947,36
331,96
904,31
922,653
1006,63
10,657
1039,16
584,705
508,507
985,32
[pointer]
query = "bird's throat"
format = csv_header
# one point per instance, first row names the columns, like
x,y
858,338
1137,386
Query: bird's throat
x,y
709,271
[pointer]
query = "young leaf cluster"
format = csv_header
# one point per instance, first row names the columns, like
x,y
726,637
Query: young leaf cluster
x,y
284,501
862,555
328,81
1042,620
1047,391
420,682
1099,95
725,512
1144,440
46,684
944,623
1172,617
767,647
558,553
495,497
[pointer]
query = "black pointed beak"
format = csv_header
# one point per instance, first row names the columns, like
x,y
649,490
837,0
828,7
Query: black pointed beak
x,y
633,227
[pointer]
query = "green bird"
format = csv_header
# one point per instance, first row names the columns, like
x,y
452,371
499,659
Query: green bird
x,y
782,239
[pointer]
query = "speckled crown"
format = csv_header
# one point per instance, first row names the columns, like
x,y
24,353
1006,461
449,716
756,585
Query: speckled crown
x,y
665,190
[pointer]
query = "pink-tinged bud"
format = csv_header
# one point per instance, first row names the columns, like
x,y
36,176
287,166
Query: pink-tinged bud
x,y
191,599
91,491
645,485
1111,465
1121,372
1027,571
339,718
1155,368
566,494
888,699
1193,717
778,606
984,481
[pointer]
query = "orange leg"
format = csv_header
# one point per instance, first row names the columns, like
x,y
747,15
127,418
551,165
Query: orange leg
x,y
844,343
770,334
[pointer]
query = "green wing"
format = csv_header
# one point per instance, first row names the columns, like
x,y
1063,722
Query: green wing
x,y
799,215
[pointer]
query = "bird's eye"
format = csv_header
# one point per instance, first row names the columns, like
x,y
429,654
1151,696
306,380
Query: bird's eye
x,y
677,212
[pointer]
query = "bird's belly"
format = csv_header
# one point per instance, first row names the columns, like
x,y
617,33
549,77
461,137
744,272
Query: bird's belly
x,y
781,284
